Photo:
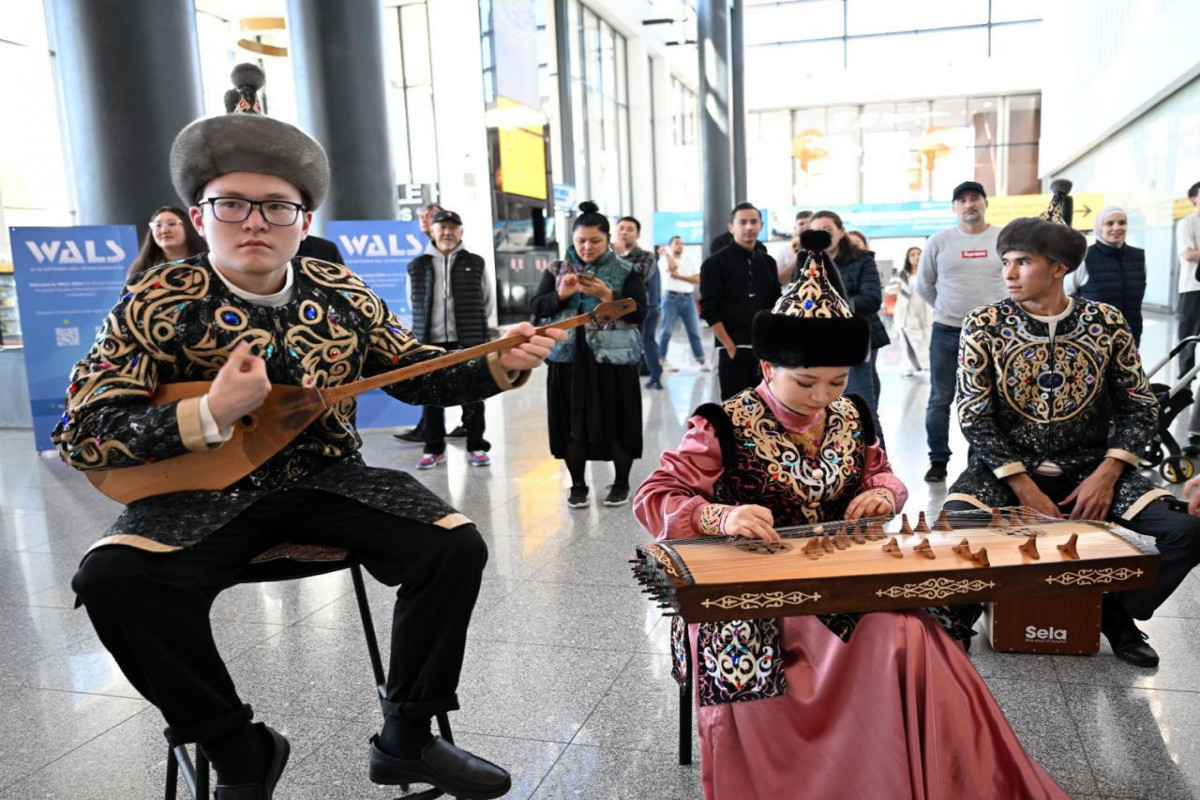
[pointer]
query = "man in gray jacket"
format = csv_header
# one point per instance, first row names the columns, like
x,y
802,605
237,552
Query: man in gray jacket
x,y
451,299
959,271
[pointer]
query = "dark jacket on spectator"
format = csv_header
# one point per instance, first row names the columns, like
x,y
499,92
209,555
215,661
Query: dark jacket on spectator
x,y
1117,276
860,276
735,284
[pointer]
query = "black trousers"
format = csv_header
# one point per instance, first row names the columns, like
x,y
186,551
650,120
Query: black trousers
x,y
1176,534
151,610
433,418
736,374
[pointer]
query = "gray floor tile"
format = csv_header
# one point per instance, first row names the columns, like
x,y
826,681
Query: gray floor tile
x,y
992,664
129,760
29,633
281,602
1037,711
1185,602
40,726
532,691
339,770
640,711
595,560
1177,641
607,617
597,773
1141,742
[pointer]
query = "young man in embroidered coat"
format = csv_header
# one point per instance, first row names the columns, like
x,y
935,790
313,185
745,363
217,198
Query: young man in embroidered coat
x,y
246,316
1055,406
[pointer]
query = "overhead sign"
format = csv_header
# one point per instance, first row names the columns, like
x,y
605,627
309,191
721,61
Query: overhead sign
x,y
68,279
379,252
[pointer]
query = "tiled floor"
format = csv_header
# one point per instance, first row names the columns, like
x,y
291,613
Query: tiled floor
x,y
566,680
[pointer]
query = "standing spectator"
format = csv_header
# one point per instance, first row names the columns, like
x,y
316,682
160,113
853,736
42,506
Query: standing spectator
x,y
1187,238
859,240
1113,272
169,238
451,300
785,257
736,283
416,434
912,316
626,246
864,295
678,304
594,403
959,271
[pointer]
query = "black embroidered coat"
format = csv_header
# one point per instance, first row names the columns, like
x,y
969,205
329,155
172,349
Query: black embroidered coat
x,y
1026,397
179,321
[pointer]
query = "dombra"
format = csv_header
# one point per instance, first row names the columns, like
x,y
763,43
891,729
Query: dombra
x,y
287,411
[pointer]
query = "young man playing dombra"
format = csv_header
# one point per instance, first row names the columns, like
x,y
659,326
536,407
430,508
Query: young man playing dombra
x,y
246,316
1042,379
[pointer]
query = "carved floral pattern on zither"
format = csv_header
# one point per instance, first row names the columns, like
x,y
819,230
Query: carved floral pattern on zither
x,y
756,600
1091,577
661,557
935,589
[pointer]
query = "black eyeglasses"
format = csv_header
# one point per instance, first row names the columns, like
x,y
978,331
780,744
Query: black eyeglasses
x,y
237,209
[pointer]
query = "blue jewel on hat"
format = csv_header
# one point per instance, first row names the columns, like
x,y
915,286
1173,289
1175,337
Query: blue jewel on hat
x,y
230,318
310,313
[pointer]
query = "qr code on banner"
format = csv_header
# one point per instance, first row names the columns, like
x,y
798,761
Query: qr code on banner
x,y
66,337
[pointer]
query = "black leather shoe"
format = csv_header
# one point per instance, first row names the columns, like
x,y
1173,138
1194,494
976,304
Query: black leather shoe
x,y
936,473
451,769
264,790
411,436
1192,448
1131,646
458,433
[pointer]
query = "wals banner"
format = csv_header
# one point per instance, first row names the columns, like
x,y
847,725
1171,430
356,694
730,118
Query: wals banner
x,y
67,281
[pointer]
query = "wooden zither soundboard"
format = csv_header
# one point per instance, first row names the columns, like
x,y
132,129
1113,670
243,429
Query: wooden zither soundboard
x,y
887,564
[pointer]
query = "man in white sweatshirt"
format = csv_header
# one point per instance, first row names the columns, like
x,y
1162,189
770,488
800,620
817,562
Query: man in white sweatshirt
x,y
959,271
1187,241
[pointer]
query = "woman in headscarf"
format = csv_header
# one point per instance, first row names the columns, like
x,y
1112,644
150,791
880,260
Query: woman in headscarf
x,y
1113,272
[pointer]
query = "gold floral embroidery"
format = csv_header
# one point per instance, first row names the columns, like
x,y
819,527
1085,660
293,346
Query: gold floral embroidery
x,y
710,518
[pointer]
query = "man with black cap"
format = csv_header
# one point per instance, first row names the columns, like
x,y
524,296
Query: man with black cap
x,y
736,283
1055,406
451,300
247,316
959,271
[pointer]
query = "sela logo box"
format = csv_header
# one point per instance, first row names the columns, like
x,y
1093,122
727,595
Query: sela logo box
x,y
1064,623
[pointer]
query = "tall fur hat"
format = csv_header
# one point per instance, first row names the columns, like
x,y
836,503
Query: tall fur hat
x,y
1050,234
811,325
245,140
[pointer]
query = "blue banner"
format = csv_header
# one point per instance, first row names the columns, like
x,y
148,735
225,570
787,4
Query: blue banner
x,y
67,281
379,252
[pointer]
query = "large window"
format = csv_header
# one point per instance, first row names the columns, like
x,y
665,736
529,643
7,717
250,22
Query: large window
x,y
913,150
682,191
600,111
410,93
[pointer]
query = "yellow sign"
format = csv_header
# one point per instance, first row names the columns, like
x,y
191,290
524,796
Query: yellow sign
x,y
1003,210
522,168
1181,208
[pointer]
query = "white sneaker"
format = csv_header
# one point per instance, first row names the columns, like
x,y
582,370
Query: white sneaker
x,y
667,365
703,365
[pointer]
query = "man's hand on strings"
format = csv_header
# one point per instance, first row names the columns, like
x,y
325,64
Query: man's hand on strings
x,y
1093,498
1192,496
751,522
241,386
533,352
872,503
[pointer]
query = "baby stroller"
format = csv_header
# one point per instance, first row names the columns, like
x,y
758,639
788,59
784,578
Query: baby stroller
x,y
1162,450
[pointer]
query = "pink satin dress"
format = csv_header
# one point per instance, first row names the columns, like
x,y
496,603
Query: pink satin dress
x,y
897,713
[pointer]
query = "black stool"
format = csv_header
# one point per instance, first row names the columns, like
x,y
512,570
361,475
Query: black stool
x,y
289,562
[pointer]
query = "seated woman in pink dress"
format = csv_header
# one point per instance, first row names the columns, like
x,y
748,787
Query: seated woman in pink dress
x,y
878,705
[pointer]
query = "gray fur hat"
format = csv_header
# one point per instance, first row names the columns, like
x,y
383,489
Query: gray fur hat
x,y
247,141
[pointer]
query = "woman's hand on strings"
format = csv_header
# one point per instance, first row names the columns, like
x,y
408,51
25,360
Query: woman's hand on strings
x,y
872,503
533,352
751,522
241,386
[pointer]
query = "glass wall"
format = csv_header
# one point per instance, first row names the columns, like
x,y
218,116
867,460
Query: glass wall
x,y
821,36
682,190
410,93
600,109
893,152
